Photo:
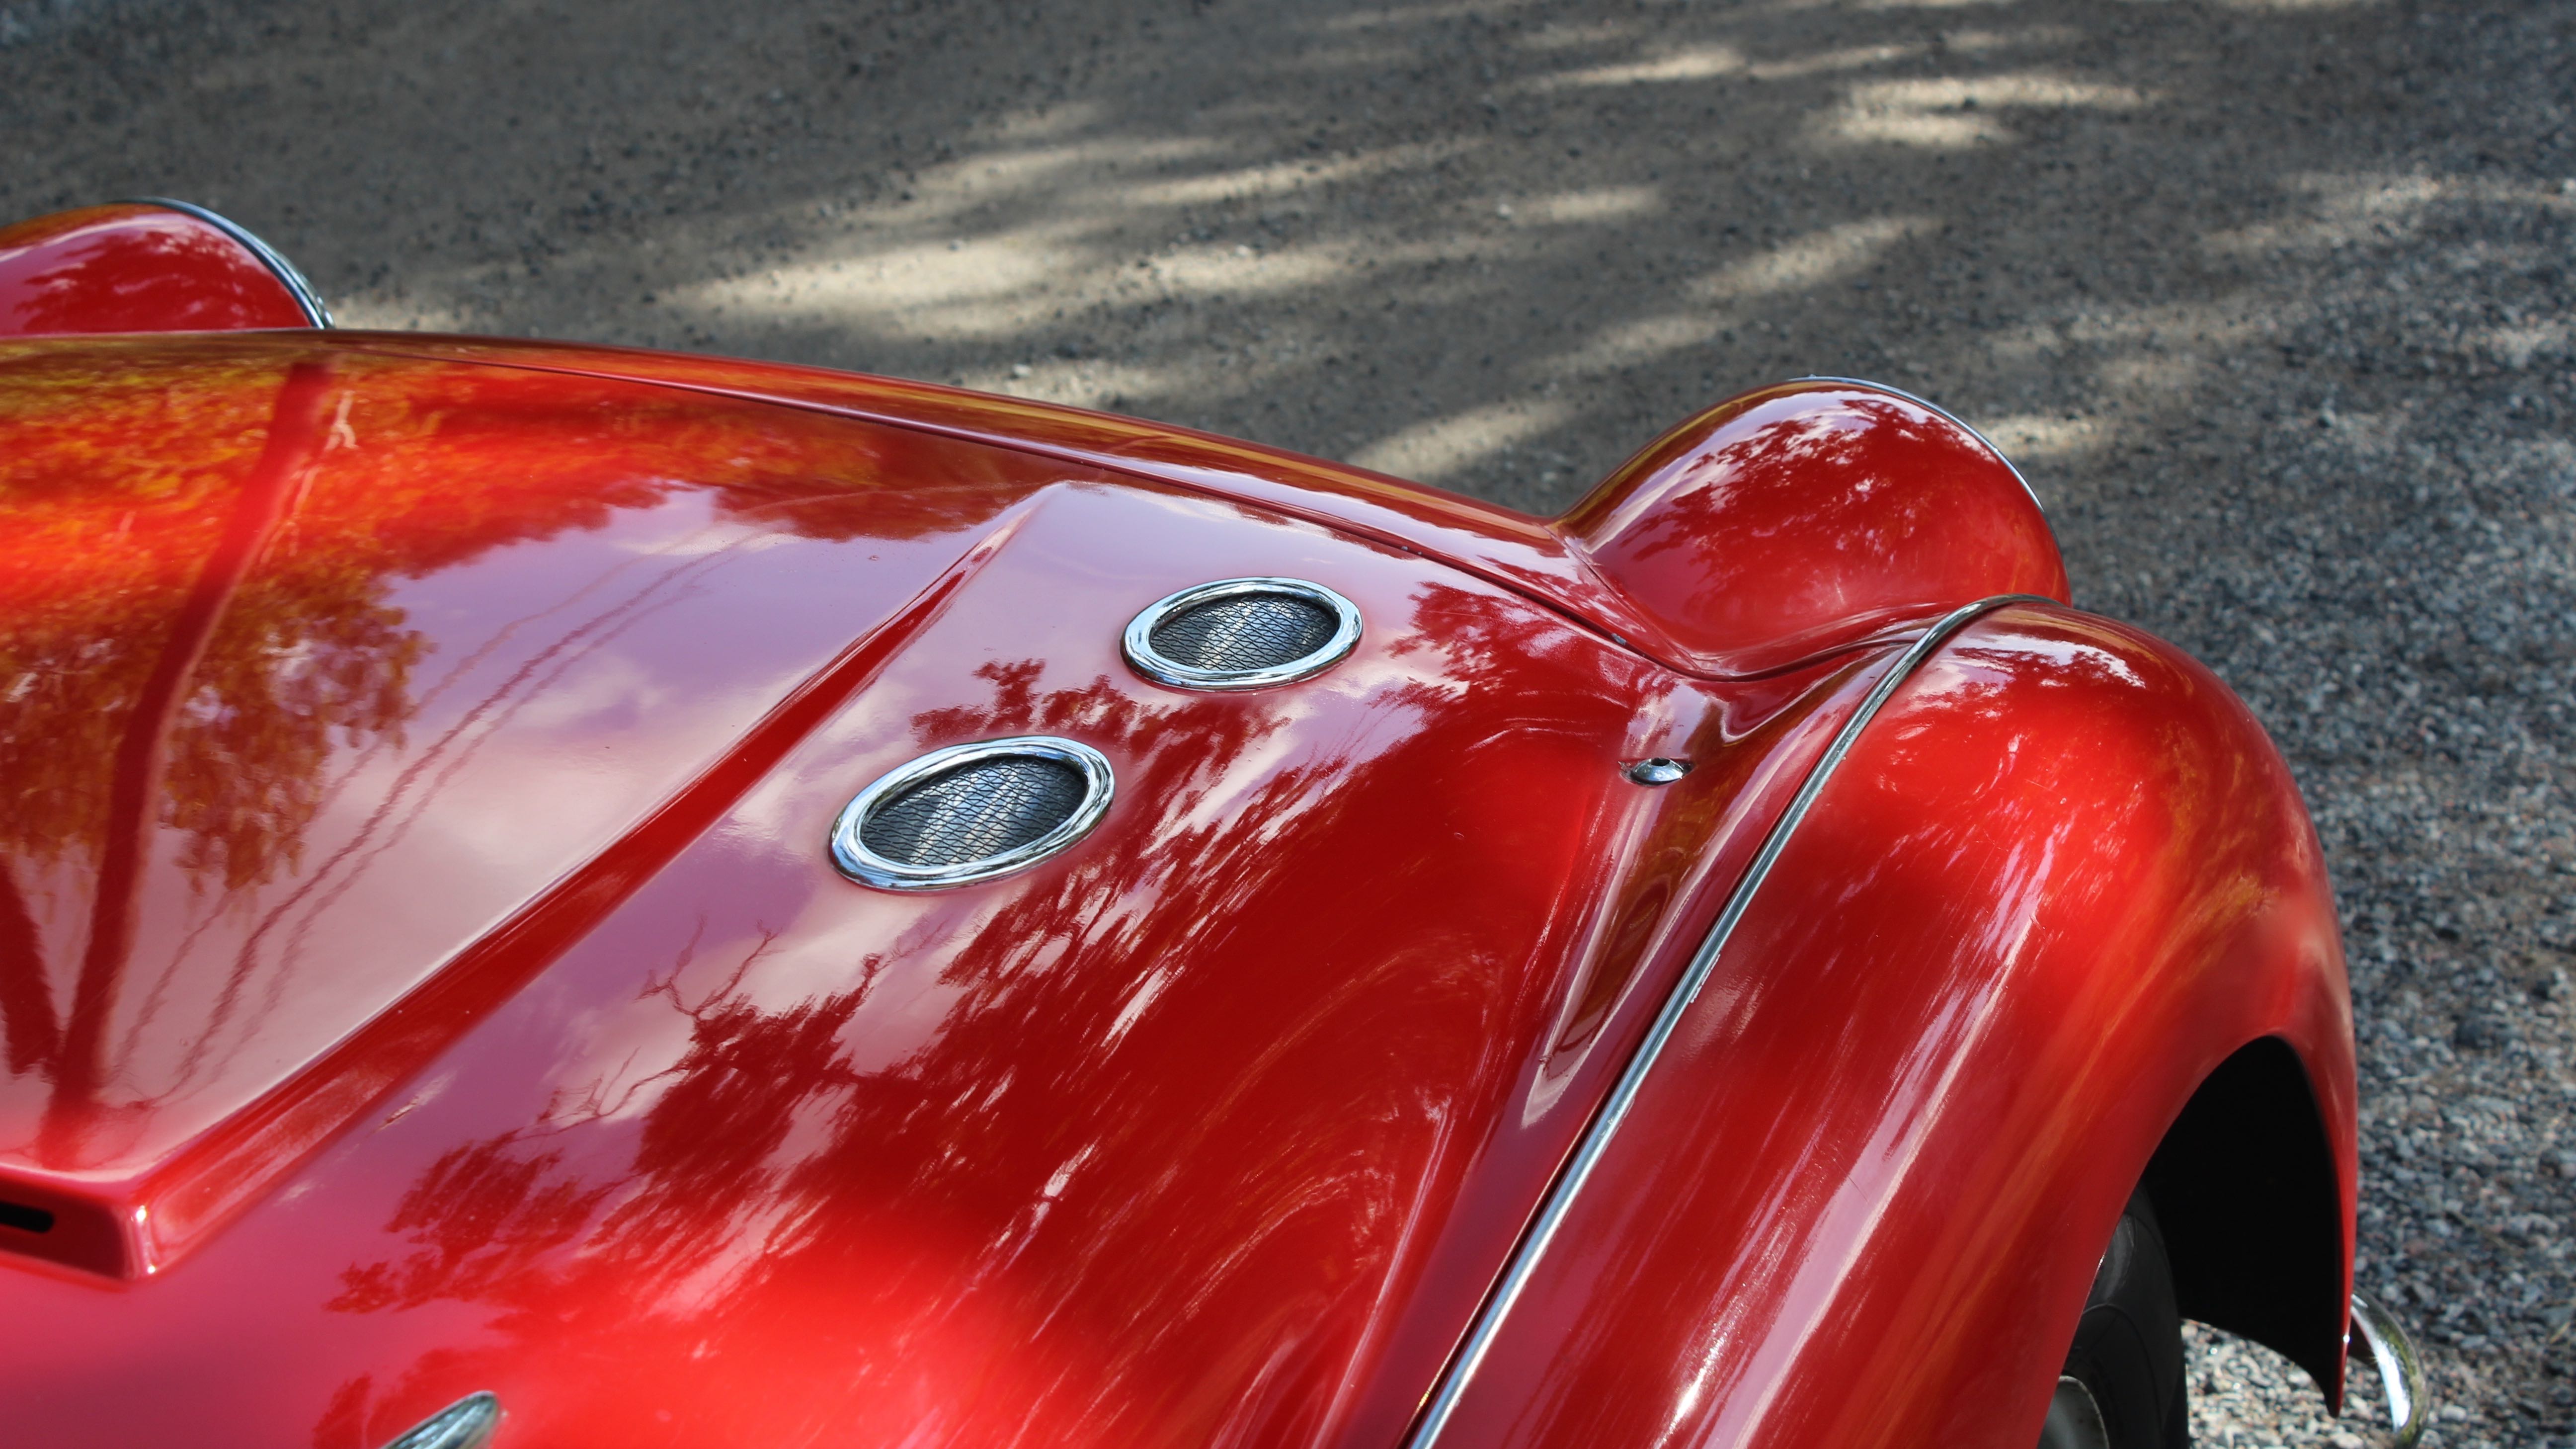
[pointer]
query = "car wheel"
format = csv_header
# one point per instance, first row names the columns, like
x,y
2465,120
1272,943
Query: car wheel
x,y
2122,1385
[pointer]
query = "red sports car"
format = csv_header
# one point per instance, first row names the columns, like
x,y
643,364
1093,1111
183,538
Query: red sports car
x,y
579,897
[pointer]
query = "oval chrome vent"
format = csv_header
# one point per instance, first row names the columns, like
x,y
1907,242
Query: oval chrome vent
x,y
972,812
1242,634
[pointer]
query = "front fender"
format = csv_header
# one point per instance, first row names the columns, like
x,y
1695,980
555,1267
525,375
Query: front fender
x,y
1859,1196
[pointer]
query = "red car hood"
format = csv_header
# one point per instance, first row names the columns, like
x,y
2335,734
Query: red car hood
x,y
422,971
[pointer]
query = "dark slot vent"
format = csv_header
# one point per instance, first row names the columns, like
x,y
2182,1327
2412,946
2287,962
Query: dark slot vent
x,y
25,1219
976,811
1245,632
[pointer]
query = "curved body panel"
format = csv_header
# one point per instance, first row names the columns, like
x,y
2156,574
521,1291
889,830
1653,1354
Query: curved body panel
x,y
145,267
1776,527
2058,881
426,973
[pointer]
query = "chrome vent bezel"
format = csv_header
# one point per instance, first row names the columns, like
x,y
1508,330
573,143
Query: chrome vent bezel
x,y
851,855
466,1424
1150,662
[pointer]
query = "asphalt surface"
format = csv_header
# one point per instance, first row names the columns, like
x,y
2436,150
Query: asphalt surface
x,y
2270,297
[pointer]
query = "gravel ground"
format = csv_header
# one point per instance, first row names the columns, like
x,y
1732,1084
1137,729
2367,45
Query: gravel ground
x,y
2272,300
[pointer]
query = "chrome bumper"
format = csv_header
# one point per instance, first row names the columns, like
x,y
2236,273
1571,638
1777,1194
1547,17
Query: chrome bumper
x,y
2401,1369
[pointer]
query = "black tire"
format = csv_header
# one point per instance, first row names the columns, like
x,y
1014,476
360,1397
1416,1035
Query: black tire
x,y
2122,1386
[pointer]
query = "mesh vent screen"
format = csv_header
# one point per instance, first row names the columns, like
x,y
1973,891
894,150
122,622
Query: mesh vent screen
x,y
1245,632
975,812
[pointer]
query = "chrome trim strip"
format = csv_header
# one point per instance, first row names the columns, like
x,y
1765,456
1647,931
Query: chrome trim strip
x,y
465,1424
855,860
2401,1370
1623,1094
1138,643
1970,428
306,299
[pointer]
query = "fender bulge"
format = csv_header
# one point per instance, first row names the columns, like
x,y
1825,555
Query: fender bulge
x,y
2058,882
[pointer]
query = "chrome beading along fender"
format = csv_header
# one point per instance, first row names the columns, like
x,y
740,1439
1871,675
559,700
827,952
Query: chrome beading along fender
x,y
1596,1138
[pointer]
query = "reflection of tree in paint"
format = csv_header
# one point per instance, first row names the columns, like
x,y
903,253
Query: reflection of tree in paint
x,y
100,565
994,1229
198,547
723,1107
492,1212
102,534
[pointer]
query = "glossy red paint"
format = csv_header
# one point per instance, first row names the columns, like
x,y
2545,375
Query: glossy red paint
x,y
134,267
332,625
1831,511
2058,880
422,973
1794,520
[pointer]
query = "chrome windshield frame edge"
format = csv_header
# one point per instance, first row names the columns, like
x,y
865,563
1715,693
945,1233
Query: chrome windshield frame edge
x,y
1595,1142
